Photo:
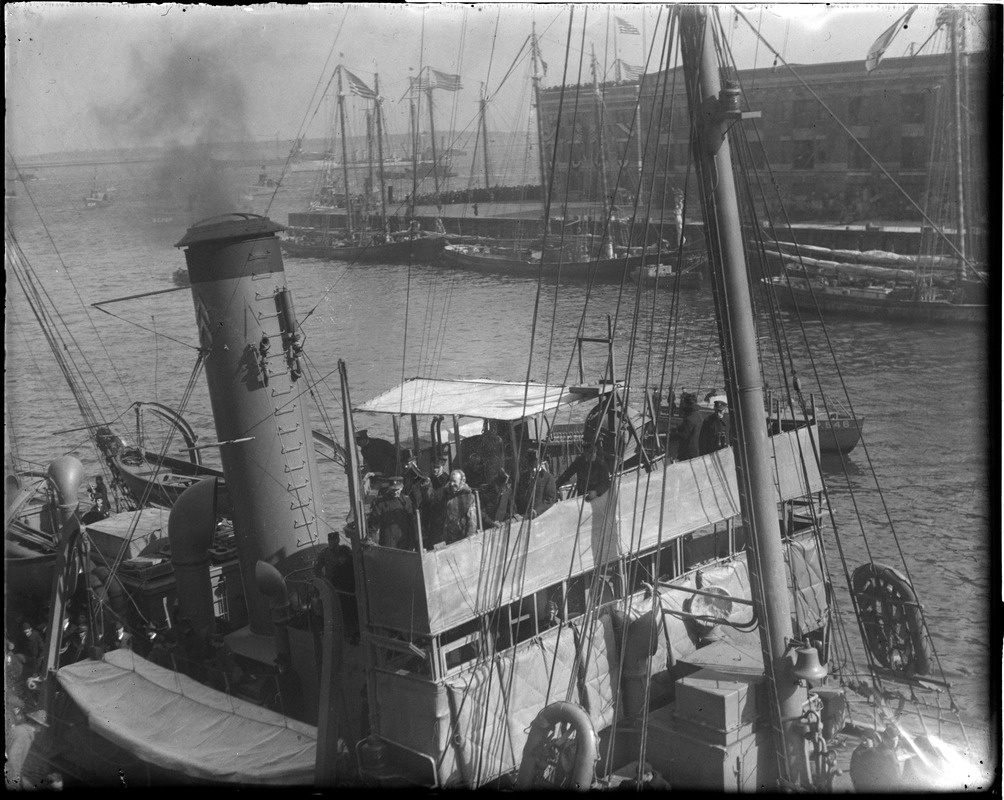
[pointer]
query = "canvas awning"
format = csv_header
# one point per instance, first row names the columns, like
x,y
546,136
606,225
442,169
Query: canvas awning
x,y
175,723
483,399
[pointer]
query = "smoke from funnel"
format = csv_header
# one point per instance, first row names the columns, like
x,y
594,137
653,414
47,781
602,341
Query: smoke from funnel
x,y
191,103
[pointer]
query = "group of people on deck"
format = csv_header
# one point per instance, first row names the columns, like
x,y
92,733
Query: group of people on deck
x,y
700,435
444,501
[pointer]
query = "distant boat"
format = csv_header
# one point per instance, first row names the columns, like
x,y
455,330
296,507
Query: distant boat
x,y
265,184
99,198
667,276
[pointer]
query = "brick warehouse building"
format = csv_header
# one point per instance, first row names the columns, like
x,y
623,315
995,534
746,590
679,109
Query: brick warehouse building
x,y
895,111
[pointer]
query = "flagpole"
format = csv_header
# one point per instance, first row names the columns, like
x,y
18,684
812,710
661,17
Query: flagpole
x,y
413,113
379,134
606,242
540,129
484,129
617,61
432,135
345,155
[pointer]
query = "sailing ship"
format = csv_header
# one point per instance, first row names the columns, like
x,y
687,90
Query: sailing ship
x,y
942,285
590,256
673,626
356,241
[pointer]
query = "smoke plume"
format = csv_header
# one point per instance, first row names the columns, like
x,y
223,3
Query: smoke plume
x,y
189,104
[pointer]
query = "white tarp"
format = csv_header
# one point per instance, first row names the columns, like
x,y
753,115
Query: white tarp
x,y
471,398
173,722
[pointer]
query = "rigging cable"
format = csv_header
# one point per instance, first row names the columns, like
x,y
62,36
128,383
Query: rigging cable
x,y
874,160
839,541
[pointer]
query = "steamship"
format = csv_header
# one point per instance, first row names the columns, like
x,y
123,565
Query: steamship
x,y
677,629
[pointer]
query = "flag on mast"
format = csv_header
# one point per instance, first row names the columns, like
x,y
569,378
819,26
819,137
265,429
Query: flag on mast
x,y
630,72
623,26
447,81
879,46
358,87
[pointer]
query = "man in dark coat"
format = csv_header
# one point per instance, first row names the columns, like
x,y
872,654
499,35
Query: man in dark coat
x,y
454,514
690,428
338,569
715,431
497,505
391,517
484,458
592,476
537,490
82,641
440,471
121,638
33,649
379,455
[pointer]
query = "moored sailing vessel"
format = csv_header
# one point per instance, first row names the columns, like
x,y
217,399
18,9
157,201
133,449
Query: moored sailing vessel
x,y
354,240
942,285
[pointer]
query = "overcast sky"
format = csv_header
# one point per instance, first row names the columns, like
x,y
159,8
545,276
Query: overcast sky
x,y
96,76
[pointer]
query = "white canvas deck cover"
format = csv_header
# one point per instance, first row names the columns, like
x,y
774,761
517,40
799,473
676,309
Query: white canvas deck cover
x,y
483,399
175,723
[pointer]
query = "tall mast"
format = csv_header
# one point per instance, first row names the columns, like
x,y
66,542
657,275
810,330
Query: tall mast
x,y
484,130
432,136
960,201
536,101
379,135
713,113
413,115
370,122
607,249
345,155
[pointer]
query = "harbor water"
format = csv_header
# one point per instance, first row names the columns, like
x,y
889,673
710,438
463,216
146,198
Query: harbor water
x,y
923,391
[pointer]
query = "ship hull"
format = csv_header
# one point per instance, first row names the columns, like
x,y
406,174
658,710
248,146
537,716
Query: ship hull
x,y
424,249
832,301
467,257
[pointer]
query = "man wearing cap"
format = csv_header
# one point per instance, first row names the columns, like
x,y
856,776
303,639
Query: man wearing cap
x,y
537,489
690,428
391,517
379,455
715,431
441,470
592,476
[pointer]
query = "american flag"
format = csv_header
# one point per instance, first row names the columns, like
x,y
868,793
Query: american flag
x,y
447,81
419,84
623,26
630,72
357,87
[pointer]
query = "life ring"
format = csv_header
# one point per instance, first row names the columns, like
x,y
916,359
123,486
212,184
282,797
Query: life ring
x,y
892,620
560,751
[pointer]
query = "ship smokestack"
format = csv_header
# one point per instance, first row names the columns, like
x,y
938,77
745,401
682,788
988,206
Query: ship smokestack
x,y
257,393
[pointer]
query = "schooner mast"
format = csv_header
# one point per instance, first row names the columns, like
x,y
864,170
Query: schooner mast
x,y
737,332
345,154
